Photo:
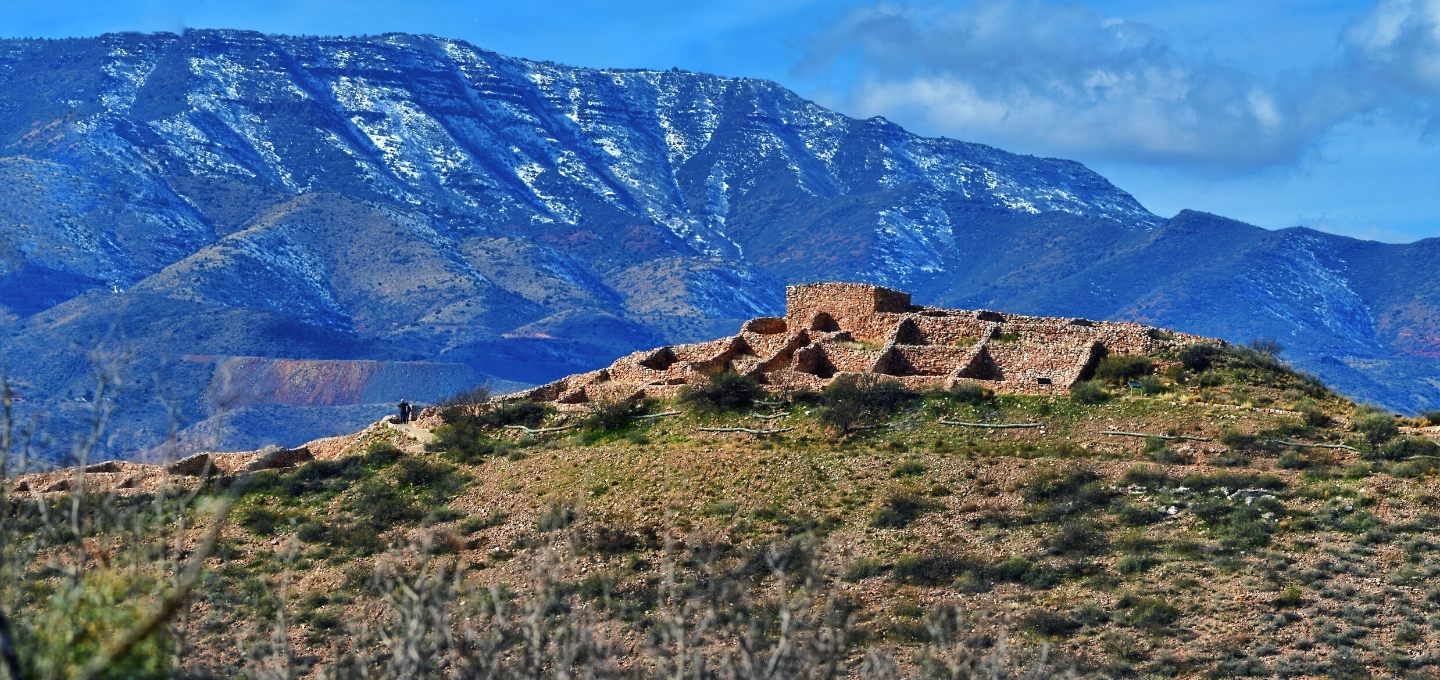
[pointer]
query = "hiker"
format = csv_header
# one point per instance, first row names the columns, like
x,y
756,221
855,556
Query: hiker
x,y
404,412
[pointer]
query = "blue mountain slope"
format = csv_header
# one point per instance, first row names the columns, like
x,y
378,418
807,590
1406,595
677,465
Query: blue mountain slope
x,y
529,219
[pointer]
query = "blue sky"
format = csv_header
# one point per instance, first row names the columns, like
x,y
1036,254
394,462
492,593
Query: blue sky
x,y
1281,113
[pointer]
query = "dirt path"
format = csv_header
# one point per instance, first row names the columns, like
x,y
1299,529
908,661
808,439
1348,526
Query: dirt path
x,y
421,435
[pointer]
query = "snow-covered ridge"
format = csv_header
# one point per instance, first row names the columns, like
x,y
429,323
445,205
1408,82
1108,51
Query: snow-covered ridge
x,y
442,126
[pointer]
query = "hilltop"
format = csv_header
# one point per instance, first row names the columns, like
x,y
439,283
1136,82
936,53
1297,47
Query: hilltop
x,y
1226,516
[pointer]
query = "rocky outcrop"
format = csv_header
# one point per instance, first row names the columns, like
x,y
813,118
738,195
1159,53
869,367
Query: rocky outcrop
x,y
833,329
276,457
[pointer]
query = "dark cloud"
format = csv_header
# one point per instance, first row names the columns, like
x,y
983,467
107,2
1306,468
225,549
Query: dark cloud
x,y
1063,79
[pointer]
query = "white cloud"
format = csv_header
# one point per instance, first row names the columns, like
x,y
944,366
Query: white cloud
x,y
1062,79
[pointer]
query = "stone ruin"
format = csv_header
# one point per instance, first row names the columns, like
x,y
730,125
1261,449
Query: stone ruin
x,y
836,329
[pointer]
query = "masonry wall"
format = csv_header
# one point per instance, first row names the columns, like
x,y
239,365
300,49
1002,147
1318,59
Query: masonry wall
x,y
917,345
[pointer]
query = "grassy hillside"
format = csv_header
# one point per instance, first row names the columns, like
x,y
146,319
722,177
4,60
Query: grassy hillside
x,y
1269,528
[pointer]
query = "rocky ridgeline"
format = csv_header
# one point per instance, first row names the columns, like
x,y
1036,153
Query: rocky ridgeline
x,y
126,476
832,330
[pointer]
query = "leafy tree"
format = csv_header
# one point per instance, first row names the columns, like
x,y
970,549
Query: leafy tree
x,y
725,391
855,401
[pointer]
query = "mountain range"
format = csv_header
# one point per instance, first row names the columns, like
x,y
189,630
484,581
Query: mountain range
x,y
267,238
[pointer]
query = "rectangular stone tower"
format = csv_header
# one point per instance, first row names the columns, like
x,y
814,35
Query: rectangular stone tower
x,y
850,305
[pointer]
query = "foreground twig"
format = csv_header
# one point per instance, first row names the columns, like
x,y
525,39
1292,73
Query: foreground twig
x,y
542,430
1157,436
744,429
7,648
659,415
171,604
1313,446
990,426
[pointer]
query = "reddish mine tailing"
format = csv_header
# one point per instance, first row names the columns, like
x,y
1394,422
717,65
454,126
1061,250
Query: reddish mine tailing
x,y
834,329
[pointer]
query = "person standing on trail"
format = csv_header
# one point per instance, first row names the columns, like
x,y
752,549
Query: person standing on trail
x,y
404,412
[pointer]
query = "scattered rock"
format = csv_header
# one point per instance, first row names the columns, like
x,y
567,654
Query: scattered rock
x,y
275,457
128,483
107,466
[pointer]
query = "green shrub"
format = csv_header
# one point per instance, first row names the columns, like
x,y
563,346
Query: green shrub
x,y
261,520
439,482
1404,448
1020,570
1134,515
527,413
1077,538
969,392
1168,456
935,568
1089,392
864,568
1147,476
1050,624
311,532
381,453
852,401
1118,369
604,539
1292,460
1432,417
1146,611
1375,423
474,524
637,438
1133,565
1152,385
377,500
1061,492
1414,468
79,618
463,444
1199,356
908,468
720,508
1232,480
558,516
1312,414
898,509
604,415
725,391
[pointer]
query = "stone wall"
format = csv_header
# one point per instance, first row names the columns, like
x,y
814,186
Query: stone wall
x,y
837,329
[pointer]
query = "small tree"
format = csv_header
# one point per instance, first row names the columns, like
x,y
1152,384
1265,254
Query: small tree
x,y
465,404
1198,356
726,391
1376,423
1269,347
608,414
859,400
1120,368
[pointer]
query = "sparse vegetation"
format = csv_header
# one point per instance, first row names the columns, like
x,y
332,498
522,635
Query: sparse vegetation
x,y
851,402
726,391
625,528
1118,369
1089,392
